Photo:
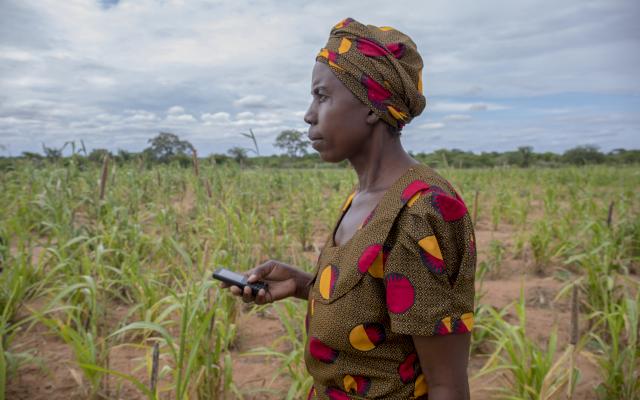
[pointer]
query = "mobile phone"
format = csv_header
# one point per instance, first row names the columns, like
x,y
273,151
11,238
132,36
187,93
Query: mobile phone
x,y
235,279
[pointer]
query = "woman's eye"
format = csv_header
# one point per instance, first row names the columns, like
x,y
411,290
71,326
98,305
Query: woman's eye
x,y
321,97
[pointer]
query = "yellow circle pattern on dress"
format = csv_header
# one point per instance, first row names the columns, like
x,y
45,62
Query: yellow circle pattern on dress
x,y
377,268
421,386
327,281
360,340
430,245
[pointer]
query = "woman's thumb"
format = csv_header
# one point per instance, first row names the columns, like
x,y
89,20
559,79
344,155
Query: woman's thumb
x,y
261,271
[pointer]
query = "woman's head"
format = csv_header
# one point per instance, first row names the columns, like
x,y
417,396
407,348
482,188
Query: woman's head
x,y
374,76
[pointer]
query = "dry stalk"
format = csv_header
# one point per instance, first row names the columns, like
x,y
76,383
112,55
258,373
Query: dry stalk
x,y
573,340
113,174
103,178
610,215
575,334
194,157
207,185
154,366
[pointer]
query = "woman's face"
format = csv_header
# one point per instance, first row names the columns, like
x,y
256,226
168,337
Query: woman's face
x,y
338,120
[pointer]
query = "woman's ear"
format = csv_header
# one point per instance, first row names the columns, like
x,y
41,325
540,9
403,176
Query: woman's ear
x,y
372,118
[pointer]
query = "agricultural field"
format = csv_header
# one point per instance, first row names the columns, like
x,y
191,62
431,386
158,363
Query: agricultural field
x,y
105,289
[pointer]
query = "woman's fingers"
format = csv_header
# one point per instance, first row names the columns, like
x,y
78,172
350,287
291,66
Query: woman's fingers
x,y
279,277
247,294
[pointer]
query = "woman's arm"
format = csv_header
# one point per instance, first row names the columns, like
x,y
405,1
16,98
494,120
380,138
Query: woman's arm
x,y
444,361
302,286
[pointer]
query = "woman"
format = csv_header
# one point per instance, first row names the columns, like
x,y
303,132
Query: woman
x,y
391,300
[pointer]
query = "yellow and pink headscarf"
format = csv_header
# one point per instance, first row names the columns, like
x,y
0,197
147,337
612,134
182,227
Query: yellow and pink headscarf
x,y
380,65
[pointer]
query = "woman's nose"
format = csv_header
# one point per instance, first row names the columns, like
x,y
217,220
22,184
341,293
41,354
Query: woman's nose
x,y
309,116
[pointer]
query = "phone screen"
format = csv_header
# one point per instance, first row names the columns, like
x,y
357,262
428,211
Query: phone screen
x,y
231,275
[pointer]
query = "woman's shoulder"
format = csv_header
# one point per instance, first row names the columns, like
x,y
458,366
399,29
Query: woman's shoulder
x,y
430,199
433,179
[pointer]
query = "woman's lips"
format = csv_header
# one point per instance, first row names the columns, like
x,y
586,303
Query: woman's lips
x,y
315,143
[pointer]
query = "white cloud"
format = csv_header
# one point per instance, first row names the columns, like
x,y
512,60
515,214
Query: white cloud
x,y
432,125
457,117
444,106
175,110
252,100
140,115
101,81
219,117
181,118
245,115
16,55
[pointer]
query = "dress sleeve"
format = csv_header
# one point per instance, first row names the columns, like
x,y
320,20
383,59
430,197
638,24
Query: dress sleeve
x,y
430,268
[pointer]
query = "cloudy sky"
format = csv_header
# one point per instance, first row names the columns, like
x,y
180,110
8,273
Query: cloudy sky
x,y
498,74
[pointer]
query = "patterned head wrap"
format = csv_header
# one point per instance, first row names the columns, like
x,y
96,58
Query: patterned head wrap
x,y
380,65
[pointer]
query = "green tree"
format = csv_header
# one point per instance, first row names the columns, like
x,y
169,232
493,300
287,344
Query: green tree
x,y
167,145
97,155
292,142
31,155
124,156
583,155
239,154
525,153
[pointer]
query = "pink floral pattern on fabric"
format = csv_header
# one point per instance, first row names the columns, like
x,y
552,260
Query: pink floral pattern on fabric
x,y
368,256
409,369
399,292
450,208
397,49
376,93
412,189
321,351
336,394
434,264
371,48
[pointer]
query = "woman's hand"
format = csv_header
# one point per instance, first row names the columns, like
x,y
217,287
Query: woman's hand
x,y
283,281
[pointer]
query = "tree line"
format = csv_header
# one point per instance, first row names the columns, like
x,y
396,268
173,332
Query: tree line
x,y
167,147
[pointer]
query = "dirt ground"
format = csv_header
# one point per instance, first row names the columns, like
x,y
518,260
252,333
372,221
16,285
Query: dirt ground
x,y
56,378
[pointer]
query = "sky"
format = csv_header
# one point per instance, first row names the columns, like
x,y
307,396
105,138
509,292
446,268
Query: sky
x,y
497,75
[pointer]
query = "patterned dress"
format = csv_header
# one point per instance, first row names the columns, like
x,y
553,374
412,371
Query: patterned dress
x,y
408,270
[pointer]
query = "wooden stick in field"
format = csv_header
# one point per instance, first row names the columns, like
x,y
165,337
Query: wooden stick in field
x,y
208,186
573,340
194,156
155,358
574,316
103,178
610,215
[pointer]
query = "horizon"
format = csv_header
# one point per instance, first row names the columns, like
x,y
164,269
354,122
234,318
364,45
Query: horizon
x,y
67,151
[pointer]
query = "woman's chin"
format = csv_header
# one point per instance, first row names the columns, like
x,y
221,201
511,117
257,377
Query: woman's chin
x,y
328,157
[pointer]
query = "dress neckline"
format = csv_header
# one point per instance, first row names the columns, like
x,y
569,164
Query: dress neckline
x,y
347,205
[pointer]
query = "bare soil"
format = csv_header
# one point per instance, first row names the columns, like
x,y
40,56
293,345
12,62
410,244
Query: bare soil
x,y
56,377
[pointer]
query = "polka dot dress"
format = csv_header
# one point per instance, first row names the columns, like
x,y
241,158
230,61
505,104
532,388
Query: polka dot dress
x,y
408,270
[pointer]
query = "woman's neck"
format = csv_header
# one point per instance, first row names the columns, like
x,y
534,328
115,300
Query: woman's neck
x,y
380,163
